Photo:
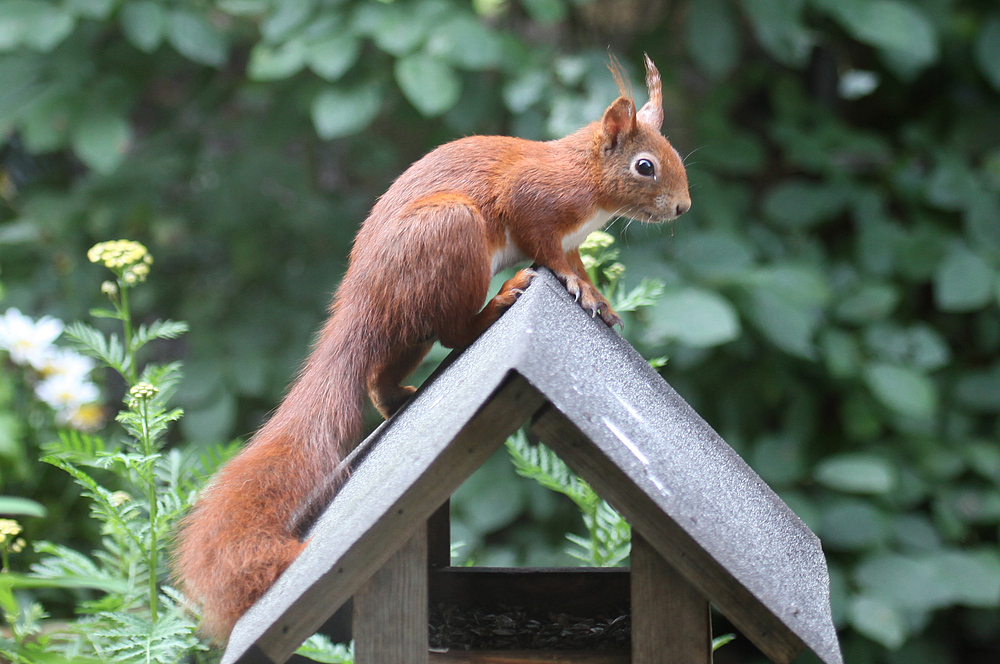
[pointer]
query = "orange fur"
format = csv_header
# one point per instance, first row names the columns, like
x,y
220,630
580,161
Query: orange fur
x,y
419,270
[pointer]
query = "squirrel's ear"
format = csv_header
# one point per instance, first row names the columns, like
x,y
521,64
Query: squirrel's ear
x,y
651,113
618,122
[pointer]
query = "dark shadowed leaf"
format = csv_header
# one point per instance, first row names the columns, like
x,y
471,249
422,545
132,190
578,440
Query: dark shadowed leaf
x,y
196,38
713,37
988,50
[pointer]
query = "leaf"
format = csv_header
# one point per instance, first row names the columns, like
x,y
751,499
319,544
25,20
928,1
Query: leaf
x,y
101,141
337,112
465,42
840,352
92,8
779,29
545,11
856,473
15,506
979,391
694,317
143,24
713,37
92,342
644,295
331,57
161,329
980,220
319,648
963,281
988,50
272,63
919,346
900,30
852,525
715,257
196,38
525,90
428,82
788,324
38,25
778,460
952,185
396,30
903,390
871,302
244,7
288,15
971,577
73,581
800,204
878,621
913,583
720,641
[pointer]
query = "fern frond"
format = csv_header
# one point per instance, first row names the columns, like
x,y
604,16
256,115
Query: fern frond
x,y
320,648
645,294
91,341
161,329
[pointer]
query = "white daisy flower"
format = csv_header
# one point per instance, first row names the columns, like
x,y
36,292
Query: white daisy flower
x,y
65,392
25,339
85,417
66,362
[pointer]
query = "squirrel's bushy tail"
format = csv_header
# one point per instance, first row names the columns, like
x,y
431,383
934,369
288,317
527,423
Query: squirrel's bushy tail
x,y
242,533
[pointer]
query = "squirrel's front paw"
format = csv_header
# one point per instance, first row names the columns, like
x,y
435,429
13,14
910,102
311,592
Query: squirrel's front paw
x,y
591,300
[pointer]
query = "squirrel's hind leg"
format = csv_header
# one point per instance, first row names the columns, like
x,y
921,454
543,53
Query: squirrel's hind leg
x,y
384,387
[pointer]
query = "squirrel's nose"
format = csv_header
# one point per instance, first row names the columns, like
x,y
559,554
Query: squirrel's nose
x,y
682,207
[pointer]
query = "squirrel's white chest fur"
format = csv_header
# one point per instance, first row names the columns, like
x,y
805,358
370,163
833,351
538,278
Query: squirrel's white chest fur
x,y
589,225
509,253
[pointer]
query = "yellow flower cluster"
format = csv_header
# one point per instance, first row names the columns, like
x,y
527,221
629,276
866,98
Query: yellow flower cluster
x,y
127,258
141,392
9,528
597,240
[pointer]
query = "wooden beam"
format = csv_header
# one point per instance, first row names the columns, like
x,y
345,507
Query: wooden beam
x,y
390,609
530,657
747,614
671,620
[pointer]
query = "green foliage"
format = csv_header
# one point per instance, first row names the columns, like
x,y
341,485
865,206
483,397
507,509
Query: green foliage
x,y
320,649
136,617
609,535
830,303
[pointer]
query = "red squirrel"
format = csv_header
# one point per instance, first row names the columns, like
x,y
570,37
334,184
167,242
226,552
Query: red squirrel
x,y
419,270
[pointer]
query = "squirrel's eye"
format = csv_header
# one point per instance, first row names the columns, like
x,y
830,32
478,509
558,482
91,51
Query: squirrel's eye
x,y
644,167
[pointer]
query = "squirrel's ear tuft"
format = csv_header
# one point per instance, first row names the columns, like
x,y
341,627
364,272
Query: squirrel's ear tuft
x,y
618,122
651,113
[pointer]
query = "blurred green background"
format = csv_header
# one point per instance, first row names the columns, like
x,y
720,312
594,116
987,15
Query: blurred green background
x,y
831,302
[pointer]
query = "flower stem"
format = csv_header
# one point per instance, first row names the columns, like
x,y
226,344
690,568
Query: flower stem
x,y
126,316
150,479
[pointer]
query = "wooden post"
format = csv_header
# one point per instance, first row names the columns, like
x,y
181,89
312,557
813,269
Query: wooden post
x,y
439,537
671,621
390,609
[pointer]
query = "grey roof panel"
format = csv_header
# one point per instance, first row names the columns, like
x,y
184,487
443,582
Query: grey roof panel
x,y
607,390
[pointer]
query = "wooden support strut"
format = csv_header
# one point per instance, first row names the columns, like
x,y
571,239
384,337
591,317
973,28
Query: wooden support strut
x,y
671,620
390,609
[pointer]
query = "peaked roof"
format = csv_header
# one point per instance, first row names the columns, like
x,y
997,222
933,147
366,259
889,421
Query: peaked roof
x,y
618,424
